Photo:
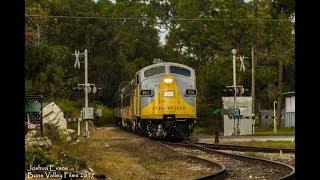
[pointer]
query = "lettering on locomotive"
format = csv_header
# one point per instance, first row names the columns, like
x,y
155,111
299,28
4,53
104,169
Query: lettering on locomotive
x,y
169,108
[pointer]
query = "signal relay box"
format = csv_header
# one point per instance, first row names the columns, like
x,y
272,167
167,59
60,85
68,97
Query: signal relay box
x,y
88,113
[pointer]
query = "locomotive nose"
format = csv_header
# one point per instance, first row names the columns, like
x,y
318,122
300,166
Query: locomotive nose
x,y
168,89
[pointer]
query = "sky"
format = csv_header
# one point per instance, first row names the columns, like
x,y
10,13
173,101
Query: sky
x,y
162,33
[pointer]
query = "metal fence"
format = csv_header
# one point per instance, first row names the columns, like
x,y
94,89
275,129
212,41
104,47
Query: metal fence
x,y
287,120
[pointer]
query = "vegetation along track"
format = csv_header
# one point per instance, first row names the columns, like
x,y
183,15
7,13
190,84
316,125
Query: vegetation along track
x,y
246,148
237,166
218,174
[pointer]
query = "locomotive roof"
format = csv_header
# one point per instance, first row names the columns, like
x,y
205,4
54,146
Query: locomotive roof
x,y
119,91
165,64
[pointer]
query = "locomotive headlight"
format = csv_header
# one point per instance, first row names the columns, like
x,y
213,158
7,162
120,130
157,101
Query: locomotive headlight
x,y
168,81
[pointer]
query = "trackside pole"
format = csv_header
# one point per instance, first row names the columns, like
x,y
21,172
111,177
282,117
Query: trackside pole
x,y
79,123
86,85
275,130
234,52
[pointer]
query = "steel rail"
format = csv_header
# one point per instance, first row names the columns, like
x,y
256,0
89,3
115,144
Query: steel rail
x,y
246,148
220,174
290,175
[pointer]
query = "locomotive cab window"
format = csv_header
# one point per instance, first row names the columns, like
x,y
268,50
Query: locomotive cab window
x,y
180,71
154,71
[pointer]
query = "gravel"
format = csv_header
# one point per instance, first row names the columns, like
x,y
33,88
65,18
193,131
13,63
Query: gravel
x,y
286,158
239,168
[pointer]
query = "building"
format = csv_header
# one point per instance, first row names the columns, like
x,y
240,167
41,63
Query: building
x,y
289,114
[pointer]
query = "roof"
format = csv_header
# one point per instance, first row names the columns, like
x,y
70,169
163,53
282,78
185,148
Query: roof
x,y
165,63
34,106
292,93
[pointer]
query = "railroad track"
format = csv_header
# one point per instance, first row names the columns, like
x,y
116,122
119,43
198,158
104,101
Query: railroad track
x,y
219,173
245,148
237,166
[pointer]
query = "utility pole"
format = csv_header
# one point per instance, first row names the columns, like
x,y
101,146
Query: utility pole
x,y
254,42
234,52
86,85
236,111
275,128
86,113
253,78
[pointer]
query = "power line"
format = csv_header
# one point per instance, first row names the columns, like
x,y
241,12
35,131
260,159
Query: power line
x,y
175,19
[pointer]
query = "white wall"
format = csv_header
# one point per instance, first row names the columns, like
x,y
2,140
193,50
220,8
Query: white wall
x,y
290,104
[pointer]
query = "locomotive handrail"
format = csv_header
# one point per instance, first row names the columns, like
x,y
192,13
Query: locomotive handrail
x,y
122,84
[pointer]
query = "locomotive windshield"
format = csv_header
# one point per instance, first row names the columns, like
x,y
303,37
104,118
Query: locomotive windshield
x,y
154,71
180,70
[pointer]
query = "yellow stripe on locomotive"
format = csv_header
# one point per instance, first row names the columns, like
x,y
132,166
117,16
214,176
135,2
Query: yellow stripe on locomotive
x,y
168,100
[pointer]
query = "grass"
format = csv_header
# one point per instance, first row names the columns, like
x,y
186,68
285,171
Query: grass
x,y
208,129
58,154
74,125
267,144
258,131
269,132
200,130
133,159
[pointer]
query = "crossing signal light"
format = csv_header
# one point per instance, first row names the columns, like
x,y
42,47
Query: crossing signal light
x,y
239,91
92,89
77,88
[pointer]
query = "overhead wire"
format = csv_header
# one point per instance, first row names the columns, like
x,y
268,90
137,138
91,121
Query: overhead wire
x,y
173,19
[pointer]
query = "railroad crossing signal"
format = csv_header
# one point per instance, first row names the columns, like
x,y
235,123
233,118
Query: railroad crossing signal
x,y
92,88
242,67
86,86
240,91
77,88
235,112
77,61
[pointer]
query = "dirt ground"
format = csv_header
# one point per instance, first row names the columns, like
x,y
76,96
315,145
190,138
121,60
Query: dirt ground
x,y
123,155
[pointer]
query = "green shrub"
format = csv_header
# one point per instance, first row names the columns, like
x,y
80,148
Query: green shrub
x,y
70,108
207,122
107,116
57,156
38,156
54,134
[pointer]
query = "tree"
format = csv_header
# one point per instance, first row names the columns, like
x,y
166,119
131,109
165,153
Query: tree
x,y
285,45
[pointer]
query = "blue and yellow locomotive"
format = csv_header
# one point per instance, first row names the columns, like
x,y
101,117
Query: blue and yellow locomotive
x,y
160,101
